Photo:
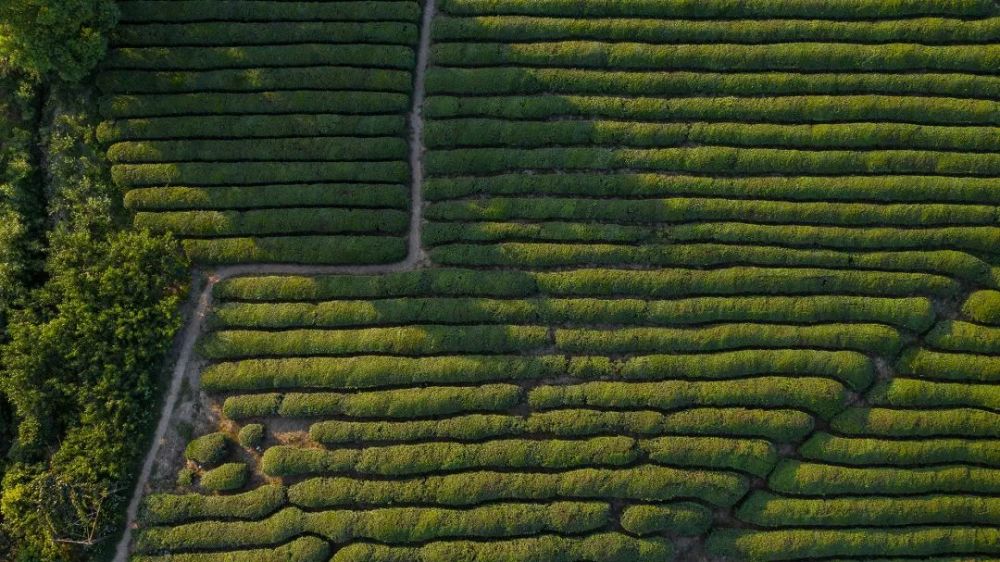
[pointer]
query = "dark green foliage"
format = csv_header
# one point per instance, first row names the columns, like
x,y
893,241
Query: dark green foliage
x,y
161,509
794,477
212,58
250,196
683,518
251,435
250,126
275,221
64,38
862,451
771,510
404,460
643,482
727,9
388,525
603,547
225,478
983,307
960,422
279,102
913,393
754,456
208,450
323,149
138,11
297,249
820,396
244,173
264,32
303,549
796,544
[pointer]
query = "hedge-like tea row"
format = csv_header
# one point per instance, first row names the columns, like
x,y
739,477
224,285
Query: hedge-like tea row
x,y
754,456
375,371
392,525
492,132
666,283
974,239
915,314
404,340
955,335
438,233
796,57
352,250
856,337
162,509
960,422
983,307
925,363
424,458
776,425
715,160
644,483
302,549
936,31
795,477
275,221
237,173
681,209
790,108
207,450
228,33
254,80
727,9
249,56
225,478
771,510
546,255
263,103
142,11
603,547
249,126
249,150
820,396
914,393
271,196
885,189
398,403
864,451
683,518
743,280
796,544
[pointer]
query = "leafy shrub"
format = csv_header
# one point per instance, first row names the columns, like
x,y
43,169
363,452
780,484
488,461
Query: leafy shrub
x,y
886,189
966,422
401,460
913,393
754,456
267,103
235,32
392,525
208,449
725,9
237,173
603,547
225,478
794,477
254,80
243,150
251,56
770,510
642,482
926,363
361,11
820,396
162,509
867,451
250,126
983,307
251,435
302,549
250,196
955,335
275,221
405,340
866,543
683,518
298,249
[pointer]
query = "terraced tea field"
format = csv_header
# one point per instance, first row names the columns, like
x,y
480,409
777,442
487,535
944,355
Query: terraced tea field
x,y
710,280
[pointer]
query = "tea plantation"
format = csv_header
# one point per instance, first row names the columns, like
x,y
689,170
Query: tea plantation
x,y
701,279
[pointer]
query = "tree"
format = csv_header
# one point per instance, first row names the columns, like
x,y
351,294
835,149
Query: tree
x,y
66,38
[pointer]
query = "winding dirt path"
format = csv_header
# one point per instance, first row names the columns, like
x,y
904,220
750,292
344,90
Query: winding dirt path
x,y
415,258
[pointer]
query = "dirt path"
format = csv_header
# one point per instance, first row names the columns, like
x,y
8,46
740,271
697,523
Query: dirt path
x,y
415,258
